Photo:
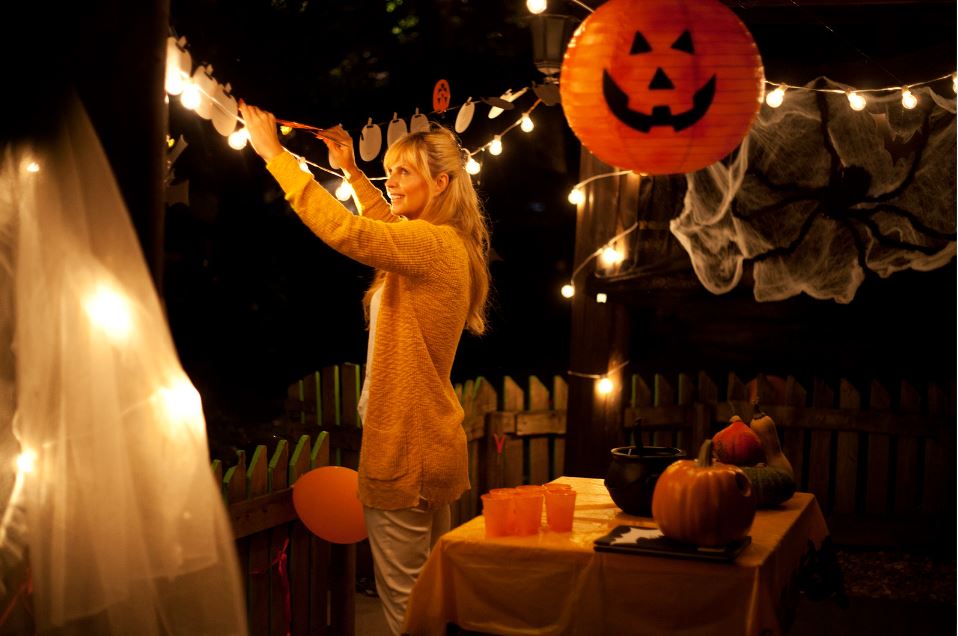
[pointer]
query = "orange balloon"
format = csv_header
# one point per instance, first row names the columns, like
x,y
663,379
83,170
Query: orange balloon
x,y
326,502
661,86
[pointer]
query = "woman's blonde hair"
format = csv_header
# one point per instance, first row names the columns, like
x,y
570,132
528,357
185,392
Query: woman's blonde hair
x,y
431,153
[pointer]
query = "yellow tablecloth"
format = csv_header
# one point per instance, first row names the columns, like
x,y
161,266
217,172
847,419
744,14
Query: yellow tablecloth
x,y
555,583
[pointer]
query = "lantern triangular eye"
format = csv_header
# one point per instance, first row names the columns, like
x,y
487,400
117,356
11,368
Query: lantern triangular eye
x,y
684,43
639,44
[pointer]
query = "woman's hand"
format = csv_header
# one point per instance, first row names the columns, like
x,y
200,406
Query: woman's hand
x,y
261,126
340,146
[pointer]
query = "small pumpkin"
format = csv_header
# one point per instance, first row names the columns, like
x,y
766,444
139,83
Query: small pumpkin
x,y
771,485
703,503
738,444
764,427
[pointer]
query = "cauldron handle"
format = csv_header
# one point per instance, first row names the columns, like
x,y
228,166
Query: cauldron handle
x,y
637,436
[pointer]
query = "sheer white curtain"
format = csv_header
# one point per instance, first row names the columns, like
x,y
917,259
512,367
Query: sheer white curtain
x,y
124,523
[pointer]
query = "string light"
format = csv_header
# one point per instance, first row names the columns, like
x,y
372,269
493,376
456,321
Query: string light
x,y
344,191
908,100
33,166
495,146
856,101
610,256
568,290
27,461
775,97
238,139
856,97
536,6
473,167
285,130
109,310
601,298
576,196
604,385
527,124
190,97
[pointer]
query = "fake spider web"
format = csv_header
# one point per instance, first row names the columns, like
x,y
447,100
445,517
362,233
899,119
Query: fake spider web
x,y
819,194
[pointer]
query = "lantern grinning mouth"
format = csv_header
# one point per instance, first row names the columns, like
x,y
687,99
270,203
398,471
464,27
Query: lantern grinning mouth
x,y
618,103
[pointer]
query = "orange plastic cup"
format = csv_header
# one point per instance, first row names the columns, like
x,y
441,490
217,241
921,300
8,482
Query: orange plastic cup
x,y
557,486
528,512
499,513
560,506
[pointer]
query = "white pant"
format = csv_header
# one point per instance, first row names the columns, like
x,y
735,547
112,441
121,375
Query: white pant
x,y
400,541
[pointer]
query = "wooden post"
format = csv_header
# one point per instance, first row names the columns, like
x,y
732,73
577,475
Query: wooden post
x,y
600,331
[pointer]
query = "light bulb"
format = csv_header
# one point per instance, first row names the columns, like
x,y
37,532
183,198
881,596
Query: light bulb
x,y
344,191
856,101
576,196
238,138
908,100
473,166
190,97
27,461
174,83
568,291
776,97
526,125
536,6
604,386
495,147
285,130
601,298
954,82
33,166
109,310
610,256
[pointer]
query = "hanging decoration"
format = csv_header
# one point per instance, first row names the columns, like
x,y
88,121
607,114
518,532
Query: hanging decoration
x,y
661,86
397,128
441,96
370,141
464,118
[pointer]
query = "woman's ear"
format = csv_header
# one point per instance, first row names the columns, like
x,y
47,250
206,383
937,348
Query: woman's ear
x,y
442,180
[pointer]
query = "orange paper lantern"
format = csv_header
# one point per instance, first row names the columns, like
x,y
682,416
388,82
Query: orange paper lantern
x,y
326,502
441,96
661,86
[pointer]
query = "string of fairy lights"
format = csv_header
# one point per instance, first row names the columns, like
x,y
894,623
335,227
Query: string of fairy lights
x,y
183,81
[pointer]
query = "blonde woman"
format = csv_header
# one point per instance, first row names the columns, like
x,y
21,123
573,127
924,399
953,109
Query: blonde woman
x,y
430,250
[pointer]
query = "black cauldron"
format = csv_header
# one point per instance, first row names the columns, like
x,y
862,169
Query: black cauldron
x,y
633,473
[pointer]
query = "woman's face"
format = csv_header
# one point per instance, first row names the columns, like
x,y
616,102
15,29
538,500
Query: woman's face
x,y
408,191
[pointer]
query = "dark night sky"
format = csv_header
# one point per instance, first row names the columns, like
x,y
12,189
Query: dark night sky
x,y
255,301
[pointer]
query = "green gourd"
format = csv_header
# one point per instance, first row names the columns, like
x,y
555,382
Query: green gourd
x,y
771,485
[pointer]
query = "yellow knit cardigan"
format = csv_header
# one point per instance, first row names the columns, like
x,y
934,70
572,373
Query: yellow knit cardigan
x,y
413,441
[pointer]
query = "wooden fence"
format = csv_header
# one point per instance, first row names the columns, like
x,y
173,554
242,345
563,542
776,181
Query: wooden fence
x,y
881,463
295,583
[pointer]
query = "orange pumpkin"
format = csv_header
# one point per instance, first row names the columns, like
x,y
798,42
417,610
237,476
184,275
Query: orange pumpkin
x,y
738,444
703,503
661,86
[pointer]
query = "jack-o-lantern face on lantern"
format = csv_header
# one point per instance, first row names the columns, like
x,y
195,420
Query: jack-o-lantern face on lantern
x,y
661,86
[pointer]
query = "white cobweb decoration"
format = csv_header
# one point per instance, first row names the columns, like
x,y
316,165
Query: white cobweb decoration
x,y
820,194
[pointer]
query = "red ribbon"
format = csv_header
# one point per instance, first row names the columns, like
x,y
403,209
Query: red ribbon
x,y
280,563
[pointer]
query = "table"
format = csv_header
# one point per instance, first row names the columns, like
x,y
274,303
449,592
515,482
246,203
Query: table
x,y
555,583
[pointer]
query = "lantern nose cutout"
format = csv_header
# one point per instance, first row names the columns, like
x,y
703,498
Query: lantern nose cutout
x,y
660,81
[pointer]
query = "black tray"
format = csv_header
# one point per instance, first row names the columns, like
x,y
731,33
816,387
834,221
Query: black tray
x,y
664,547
